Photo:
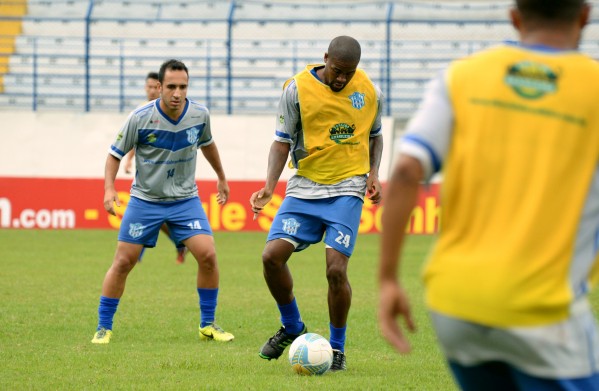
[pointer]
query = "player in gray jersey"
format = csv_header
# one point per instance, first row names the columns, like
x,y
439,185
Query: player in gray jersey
x,y
166,134
152,89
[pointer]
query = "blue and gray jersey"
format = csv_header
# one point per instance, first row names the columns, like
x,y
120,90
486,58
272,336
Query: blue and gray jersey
x,y
165,150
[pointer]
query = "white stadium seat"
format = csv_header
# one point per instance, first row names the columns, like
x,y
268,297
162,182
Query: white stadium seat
x,y
268,42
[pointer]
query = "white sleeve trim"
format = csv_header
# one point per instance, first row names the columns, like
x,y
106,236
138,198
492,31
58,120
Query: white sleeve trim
x,y
418,152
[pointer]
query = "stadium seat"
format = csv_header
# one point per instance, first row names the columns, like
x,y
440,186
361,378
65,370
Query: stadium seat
x,y
267,43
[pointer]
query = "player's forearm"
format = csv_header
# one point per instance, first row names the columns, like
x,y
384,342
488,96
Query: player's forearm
x,y
376,151
211,154
401,197
277,158
110,170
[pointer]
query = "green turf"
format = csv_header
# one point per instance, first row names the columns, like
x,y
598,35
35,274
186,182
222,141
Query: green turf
x,y
50,282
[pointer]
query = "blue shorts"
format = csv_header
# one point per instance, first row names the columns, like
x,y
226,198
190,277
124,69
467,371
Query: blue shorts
x,y
500,376
143,219
306,221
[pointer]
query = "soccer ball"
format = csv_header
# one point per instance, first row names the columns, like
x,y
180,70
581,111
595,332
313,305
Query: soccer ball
x,y
310,354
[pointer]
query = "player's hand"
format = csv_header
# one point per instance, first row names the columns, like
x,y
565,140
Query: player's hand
x,y
111,197
223,191
394,304
374,189
258,201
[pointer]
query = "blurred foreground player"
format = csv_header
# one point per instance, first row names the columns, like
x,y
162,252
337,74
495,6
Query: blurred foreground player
x,y
516,130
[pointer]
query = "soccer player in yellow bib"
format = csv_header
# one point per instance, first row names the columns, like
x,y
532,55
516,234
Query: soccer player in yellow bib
x,y
329,123
516,129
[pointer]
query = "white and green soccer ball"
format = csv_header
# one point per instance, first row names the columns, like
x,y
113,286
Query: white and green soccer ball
x,y
310,354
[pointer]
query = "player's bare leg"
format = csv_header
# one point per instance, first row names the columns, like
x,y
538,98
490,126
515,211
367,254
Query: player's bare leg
x,y
340,293
124,261
181,251
280,283
276,273
339,300
203,250
164,228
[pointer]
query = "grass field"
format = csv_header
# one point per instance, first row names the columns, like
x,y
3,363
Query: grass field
x,y
50,283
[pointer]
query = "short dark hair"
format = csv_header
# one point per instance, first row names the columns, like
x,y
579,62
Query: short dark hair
x,y
345,48
152,75
550,10
173,65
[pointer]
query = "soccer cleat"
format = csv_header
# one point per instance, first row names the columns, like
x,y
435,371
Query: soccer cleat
x,y
214,332
102,336
181,252
338,361
275,346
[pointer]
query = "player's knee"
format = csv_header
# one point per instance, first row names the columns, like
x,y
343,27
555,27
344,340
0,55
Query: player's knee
x,y
270,259
123,264
336,274
206,257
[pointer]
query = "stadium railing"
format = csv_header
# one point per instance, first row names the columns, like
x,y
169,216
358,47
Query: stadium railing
x,y
93,55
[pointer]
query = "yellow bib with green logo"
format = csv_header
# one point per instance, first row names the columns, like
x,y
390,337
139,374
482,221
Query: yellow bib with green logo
x,y
525,125
336,127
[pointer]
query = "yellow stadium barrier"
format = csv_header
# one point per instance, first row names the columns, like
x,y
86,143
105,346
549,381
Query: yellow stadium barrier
x,y
9,29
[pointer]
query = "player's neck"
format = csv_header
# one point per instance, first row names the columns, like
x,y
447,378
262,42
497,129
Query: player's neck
x,y
562,39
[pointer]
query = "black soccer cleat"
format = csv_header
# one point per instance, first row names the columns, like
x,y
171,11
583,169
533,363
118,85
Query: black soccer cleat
x,y
338,361
275,346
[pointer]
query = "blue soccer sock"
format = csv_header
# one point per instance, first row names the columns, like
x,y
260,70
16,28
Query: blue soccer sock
x,y
207,305
337,337
290,317
106,311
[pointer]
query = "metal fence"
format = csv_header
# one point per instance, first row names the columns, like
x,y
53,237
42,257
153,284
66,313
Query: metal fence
x,y
93,55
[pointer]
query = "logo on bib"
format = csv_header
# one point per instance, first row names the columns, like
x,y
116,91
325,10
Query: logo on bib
x,y
531,80
357,100
341,132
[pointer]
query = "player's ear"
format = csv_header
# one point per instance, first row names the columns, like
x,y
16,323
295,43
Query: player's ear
x,y
516,18
585,15
326,56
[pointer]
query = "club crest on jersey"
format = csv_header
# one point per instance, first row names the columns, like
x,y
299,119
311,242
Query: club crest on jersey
x,y
136,230
290,226
531,80
357,100
192,135
341,132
